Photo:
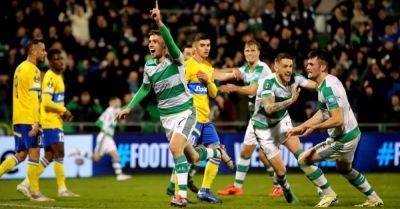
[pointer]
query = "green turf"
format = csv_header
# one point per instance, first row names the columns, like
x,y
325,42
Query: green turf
x,y
148,191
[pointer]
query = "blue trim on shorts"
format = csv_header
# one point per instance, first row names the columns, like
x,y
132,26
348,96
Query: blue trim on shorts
x,y
205,133
22,140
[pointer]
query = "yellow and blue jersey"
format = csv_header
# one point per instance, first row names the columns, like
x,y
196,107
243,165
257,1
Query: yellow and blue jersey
x,y
52,106
26,93
200,91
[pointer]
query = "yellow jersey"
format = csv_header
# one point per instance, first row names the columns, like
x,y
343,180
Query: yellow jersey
x,y
26,93
200,91
52,107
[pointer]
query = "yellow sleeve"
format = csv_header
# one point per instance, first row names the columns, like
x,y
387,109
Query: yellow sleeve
x,y
33,81
47,96
50,106
212,89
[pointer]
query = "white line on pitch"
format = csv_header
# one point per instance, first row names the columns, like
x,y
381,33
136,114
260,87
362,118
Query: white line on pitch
x,y
33,206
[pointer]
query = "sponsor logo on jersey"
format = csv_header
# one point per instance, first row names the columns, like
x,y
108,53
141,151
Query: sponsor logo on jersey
x,y
197,88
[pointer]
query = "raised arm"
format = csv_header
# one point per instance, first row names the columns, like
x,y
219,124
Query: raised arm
x,y
169,41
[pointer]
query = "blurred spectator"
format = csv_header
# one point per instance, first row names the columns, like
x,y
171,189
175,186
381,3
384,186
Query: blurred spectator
x,y
84,109
394,110
80,22
104,44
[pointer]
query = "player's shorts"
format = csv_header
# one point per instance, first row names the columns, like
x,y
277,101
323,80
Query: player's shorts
x,y
336,150
270,138
104,144
52,136
22,140
205,133
182,123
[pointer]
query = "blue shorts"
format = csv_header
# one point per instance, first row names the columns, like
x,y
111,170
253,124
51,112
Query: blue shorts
x,y
21,138
52,136
205,133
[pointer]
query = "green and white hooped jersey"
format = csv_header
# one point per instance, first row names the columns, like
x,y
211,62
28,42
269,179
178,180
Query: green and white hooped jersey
x,y
331,95
249,77
269,86
107,122
168,81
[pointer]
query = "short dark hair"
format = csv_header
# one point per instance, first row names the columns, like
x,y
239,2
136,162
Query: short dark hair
x,y
201,36
32,43
253,42
52,52
320,54
155,32
282,56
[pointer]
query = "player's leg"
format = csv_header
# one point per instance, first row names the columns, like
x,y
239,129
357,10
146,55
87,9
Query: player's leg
x,y
176,145
211,140
58,167
276,190
326,150
33,165
274,157
21,151
117,165
195,167
24,186
355,178
243,165
313,173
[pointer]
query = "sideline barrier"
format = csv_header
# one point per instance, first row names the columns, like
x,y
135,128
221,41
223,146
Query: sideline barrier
x,y
149,153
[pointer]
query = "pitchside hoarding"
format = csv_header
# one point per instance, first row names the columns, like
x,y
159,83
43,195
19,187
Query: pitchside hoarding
x,y
149,153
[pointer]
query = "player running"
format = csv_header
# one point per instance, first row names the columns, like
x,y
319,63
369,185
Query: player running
x,y
271,122
52,113
105,144
335,115
166,75
250,73
26,117
201,85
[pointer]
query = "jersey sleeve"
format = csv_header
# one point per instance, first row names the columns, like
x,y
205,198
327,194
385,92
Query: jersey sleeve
x,y
266,88
300,80
330,98
146,79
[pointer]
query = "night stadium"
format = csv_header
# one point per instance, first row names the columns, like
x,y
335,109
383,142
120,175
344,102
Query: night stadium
x,y
199,103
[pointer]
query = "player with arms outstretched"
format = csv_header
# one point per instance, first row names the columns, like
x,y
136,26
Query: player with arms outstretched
x,y
271,122
166,75
335,115
250,74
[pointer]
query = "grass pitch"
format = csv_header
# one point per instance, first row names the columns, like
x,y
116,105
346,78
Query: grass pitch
x,y
149,191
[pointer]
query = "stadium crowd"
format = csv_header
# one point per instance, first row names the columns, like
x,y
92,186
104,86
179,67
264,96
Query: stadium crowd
x,y
104,44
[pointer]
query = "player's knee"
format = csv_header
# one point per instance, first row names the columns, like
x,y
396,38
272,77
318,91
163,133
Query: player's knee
x,y
175,150
280,171
21,156
303,159
245,153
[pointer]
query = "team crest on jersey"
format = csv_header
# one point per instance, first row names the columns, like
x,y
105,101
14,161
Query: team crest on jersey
x,y
36,79
50,85
331,100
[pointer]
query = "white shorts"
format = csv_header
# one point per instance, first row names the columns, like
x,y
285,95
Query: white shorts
x,y
104,144
182,123
336,150
270,138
